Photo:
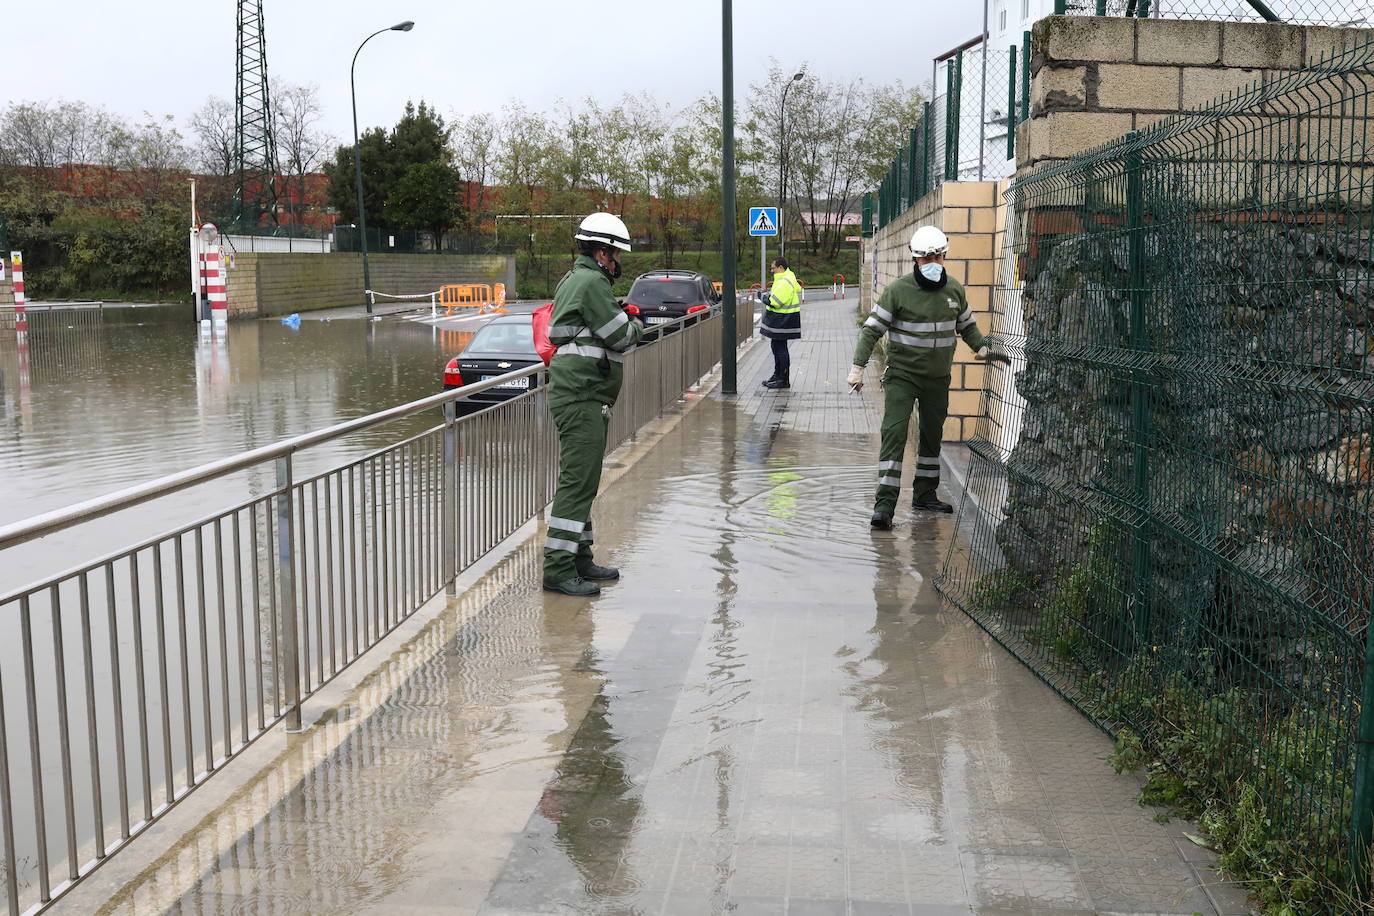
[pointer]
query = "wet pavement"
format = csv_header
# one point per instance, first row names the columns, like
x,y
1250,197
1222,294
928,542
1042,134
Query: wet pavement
x,y
772,712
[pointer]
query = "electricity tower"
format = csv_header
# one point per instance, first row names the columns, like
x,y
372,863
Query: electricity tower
x,y
255,191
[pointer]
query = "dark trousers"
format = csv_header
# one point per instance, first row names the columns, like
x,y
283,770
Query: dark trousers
x,y
782,362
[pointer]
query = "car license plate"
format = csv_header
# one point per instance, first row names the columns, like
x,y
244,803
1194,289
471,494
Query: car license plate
x,y
513,383
657,320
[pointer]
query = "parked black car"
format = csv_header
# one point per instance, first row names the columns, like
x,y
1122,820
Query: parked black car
x,y
663,295
502,345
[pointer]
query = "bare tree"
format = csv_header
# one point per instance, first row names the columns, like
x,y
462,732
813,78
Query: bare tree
x,y
154,157
302,146
476,145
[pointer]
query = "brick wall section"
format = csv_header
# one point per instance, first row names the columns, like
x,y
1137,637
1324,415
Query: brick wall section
x,y
1094,78
267,283
972,214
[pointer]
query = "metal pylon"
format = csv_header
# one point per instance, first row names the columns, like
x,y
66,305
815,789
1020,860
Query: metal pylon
x,y
255,191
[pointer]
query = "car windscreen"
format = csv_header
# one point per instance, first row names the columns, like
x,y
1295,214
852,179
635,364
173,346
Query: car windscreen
x,y
665,292
505,337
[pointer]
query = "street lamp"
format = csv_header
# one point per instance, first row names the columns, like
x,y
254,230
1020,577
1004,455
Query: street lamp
x,y
782,160
358,157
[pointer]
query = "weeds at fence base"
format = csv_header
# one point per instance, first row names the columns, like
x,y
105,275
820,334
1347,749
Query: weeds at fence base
x,y
1192,736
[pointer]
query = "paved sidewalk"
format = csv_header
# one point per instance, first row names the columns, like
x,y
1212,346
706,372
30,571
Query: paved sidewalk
x,y
772,712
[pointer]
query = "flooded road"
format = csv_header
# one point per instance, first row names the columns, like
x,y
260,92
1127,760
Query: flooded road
x,y
98,406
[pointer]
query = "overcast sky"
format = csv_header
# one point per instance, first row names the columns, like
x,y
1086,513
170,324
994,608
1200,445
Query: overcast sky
x,y
168,56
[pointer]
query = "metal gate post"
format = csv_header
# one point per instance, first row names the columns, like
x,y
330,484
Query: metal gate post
x,y
448,537
1362,805
286,585
1140,402
1011,106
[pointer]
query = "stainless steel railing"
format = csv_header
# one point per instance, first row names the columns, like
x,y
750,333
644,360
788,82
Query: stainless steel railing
x,y
134,676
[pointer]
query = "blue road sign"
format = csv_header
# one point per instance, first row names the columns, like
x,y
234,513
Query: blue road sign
x,y
763,220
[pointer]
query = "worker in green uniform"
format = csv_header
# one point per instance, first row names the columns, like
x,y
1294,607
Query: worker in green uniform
x,y
781,321
592,334
920,312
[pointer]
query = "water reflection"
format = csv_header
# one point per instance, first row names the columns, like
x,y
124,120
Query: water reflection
x,y
96,407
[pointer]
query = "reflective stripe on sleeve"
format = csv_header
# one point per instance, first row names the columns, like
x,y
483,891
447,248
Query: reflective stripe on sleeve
x,y
964,320
881,314
565,330
576,349
610,327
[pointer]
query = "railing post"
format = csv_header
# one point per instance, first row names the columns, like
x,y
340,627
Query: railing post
x,y
1062,6
1101,7
866,227
949,115
1025,74
925,148
1011,105
956,121
448,537
1362,805
912,186
286,585
1140,392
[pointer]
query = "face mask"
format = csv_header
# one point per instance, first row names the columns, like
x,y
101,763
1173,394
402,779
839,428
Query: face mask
x,y
932,271
615,268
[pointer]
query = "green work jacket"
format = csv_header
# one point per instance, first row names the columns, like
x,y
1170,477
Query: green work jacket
x,y
587,325
920,325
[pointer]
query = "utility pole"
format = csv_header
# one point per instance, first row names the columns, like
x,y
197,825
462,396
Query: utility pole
x,y
727,223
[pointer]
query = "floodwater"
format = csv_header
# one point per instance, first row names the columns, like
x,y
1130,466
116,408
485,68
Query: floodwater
x,y
94,407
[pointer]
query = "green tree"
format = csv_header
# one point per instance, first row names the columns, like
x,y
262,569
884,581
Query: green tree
x,y
409,180
425,197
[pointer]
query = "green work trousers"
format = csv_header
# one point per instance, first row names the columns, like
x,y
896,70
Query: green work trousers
x,y
930,396
582,429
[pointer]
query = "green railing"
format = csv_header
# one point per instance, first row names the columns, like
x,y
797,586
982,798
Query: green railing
x,y
1297,12
1171,497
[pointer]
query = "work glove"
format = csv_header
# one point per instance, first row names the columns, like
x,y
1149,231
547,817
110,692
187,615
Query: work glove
x,y
855,379
766,298
982,352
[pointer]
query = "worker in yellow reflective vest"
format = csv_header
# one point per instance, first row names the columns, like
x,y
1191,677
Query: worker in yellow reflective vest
x,y
781,321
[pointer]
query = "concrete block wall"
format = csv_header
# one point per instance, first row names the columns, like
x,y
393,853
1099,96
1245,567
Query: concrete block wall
x,y
1095,78
263,284
972,214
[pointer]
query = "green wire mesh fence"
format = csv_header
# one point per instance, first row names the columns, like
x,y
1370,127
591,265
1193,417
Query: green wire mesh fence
x,y
1297,12
1171,499
966,132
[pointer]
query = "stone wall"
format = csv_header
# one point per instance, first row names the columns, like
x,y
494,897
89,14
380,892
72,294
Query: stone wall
x,y
972,214
268,283
1095,78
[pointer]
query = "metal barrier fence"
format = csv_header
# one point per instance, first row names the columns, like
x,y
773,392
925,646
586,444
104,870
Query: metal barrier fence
x,y
1298,12
1172,490
131,678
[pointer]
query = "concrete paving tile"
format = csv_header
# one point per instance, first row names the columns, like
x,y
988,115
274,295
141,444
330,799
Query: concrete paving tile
x,y
753,906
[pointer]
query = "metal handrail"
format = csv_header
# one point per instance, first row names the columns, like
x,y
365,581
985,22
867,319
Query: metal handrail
x,y
58,519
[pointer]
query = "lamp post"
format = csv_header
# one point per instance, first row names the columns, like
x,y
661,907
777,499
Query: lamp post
x,y
782,160
358,158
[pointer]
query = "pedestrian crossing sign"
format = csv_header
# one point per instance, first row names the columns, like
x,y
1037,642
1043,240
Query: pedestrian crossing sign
x,y
763,220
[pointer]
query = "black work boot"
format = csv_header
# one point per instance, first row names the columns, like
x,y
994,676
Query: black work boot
x,y
598,573
577,586
931,503
778,381
881,520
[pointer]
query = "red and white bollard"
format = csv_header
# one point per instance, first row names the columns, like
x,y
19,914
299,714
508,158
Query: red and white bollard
x,y
213,282
21,317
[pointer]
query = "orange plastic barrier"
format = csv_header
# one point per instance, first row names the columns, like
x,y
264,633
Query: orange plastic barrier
x,y
471,295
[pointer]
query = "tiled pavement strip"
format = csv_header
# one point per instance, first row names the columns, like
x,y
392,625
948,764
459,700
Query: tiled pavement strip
x,y
772,712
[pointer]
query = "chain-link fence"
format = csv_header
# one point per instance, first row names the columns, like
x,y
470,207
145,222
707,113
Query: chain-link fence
x,y
1171,512
1298,12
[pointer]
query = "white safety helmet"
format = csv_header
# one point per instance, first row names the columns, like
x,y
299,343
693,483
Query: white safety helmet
x,y
606,228
928,241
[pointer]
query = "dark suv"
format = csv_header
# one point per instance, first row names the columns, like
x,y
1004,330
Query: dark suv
x,y
662,295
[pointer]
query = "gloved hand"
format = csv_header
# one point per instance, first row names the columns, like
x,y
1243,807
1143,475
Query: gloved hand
x,y
982,352
855,379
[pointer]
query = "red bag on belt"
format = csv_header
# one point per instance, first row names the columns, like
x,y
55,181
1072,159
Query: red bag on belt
x,y
540,323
